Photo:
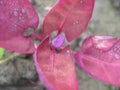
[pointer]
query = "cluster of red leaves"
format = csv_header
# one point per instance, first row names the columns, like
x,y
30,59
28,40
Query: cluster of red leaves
x,y
99,55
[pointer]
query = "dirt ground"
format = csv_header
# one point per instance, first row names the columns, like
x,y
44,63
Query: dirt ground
x,y
20,74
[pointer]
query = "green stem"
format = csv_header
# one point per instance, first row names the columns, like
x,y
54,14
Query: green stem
x,y
2,60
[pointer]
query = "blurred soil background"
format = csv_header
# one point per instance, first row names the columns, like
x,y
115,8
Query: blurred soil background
x,y
19,73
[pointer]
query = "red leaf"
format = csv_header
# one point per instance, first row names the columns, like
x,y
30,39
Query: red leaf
x,y
19,44
16,16
69,16
100,57
56,70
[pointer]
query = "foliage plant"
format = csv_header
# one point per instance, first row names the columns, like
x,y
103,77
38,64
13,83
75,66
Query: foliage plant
x,y
99,55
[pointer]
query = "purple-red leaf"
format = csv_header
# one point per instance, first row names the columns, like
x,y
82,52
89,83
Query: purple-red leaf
x,y
69,16
100,57
56,70
16,16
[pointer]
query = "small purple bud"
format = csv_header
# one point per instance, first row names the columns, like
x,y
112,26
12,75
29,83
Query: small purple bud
x,y
58,41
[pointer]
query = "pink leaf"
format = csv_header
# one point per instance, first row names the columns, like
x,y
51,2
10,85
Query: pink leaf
x,y
16,16
100,57
69,16
19,44
56,70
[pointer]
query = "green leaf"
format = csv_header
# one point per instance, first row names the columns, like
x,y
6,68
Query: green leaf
x,y
1,52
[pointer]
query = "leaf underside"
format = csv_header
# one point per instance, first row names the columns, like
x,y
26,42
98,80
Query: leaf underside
x,y
100,57
68,16
16,16
56,70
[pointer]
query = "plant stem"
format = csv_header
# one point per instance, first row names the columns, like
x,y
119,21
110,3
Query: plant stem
x,y
37,36
2,60
73,52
